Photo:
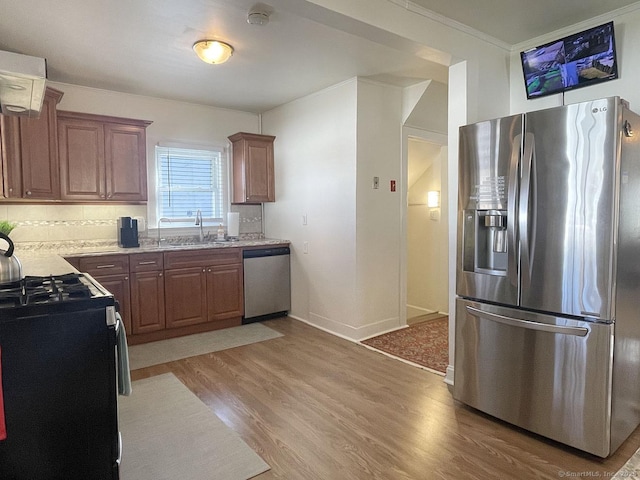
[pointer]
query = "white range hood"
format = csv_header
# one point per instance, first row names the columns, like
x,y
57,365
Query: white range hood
x,y
22,84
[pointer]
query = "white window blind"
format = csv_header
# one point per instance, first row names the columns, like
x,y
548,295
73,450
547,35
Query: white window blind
x,y
191,179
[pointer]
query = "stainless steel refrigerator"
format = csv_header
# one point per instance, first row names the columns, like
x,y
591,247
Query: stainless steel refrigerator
x,y
548,272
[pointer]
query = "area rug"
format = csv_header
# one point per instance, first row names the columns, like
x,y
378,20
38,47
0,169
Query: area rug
x,y
163,351
426,344
168,434
631,469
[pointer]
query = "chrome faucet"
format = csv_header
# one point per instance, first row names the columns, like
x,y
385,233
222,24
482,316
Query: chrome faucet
x,y
199,222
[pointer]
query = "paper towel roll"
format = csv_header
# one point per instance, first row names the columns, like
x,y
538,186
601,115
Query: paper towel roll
x,y
233,224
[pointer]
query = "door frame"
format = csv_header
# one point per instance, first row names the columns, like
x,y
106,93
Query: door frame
x,y
427,136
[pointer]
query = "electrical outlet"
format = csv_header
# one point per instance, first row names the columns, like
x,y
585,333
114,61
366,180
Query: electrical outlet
x,y
376,182
305,247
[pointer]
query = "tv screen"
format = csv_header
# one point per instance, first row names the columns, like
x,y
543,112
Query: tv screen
x,y
572,62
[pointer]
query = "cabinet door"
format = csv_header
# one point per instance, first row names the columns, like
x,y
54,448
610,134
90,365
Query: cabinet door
x,y
259,174
185,296
4,181
82,173
224,292
29,153
39,151
10,150
125,162
147,302
118,285
253,169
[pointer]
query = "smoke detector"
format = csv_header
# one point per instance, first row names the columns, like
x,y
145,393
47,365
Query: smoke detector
x,y
259,14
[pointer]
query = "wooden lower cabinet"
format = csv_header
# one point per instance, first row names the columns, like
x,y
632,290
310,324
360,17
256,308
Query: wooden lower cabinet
x,y
112,272
147,302
118,285
203,294
186,296
169,294
224,292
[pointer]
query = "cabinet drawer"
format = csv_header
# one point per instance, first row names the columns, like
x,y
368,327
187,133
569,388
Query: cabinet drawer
x,y
202,258
146,262
104,264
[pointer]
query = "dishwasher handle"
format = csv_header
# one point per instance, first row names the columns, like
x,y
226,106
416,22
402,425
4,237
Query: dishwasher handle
x,y
265,252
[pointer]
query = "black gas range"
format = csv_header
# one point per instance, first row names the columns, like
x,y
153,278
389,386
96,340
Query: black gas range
x,y
58,390
53,293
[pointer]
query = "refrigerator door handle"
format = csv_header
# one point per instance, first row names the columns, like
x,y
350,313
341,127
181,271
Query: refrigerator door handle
x,y
523,206
529,325
512,249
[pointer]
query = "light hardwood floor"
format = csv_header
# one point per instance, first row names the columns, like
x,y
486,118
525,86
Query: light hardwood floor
x,y
315,406
425,318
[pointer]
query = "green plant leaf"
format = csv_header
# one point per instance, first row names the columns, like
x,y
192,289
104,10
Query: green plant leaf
x,y
6,226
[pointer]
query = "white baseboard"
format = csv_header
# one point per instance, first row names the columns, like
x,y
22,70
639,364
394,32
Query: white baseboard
x,y
448,378
415,311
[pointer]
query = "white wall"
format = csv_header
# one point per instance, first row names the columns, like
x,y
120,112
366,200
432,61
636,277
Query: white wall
x,y
437,40
315,166
379,142
173,122
627,30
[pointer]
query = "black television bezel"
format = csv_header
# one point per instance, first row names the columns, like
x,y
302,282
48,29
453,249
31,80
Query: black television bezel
x,y
594,81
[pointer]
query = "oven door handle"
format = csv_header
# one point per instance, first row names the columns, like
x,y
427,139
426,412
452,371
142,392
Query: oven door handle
x,y
123,373
119,459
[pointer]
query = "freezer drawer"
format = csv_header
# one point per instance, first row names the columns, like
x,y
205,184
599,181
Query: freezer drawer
x,y
550,375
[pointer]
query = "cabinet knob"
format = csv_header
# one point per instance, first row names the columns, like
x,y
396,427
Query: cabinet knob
x,y
159,274
209,270
29,192
203,270
110,195
126,278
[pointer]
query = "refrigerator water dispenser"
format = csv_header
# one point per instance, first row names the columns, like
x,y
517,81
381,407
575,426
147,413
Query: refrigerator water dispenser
x,y
485,241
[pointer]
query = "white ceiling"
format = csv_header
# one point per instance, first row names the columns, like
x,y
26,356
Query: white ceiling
x,y
515,21
144,46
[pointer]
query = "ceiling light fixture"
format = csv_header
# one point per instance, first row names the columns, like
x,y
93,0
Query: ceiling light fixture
x,y
213,51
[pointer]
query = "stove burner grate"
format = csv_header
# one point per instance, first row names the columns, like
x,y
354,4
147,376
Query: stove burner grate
x,y
41,290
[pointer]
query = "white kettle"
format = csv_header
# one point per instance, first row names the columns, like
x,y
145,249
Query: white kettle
x,y
10,266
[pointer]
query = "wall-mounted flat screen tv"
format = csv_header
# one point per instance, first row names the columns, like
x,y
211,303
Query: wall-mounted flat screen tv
x,y
575,61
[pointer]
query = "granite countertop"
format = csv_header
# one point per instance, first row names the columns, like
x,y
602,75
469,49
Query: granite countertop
x,y
45,264
170,247
48,259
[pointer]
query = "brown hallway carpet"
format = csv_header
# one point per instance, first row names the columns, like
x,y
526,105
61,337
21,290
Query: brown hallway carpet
x,y
425,344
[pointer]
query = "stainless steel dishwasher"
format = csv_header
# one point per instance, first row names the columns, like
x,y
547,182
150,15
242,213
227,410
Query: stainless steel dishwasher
x,y
267,283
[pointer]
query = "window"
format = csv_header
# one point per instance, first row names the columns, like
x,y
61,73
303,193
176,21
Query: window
x,y
190,179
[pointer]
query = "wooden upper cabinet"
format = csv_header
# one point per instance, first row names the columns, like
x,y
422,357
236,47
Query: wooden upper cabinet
x,y
82,164
253,168
126,162
102,158
30,153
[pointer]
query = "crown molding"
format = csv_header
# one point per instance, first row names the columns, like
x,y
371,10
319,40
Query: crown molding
x,y
448,22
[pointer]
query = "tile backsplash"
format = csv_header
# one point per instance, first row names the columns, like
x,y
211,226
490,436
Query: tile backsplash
x,y
57,223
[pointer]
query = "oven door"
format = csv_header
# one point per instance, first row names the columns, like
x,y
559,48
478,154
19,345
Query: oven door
x,y
59,379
